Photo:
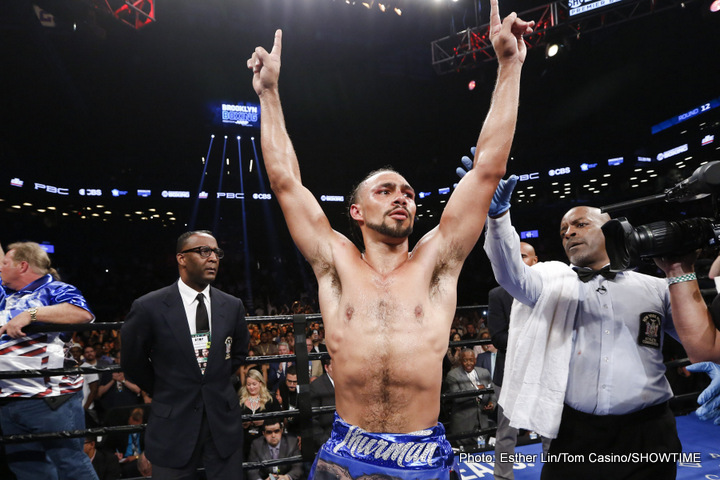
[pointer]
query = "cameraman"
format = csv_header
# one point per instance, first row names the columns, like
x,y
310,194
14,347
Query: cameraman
x,y
587,365
697,326
695,323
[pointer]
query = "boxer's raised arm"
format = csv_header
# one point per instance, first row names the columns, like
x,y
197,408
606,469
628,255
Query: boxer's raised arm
x,y
464,216
308,224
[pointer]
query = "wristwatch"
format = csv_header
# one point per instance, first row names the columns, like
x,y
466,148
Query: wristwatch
x,y
33,314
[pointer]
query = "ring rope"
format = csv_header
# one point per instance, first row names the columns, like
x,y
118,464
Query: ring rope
x,y
302,357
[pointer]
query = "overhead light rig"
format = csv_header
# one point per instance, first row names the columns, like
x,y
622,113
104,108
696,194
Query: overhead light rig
x,y
470,48
135,13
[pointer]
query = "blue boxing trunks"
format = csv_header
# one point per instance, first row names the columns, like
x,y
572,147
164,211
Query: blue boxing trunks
x,y
351,453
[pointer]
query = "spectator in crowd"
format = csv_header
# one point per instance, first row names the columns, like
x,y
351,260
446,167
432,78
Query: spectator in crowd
x,y
33,293
453,353
108,352
322,394
195,418
76,353
471,333
277,371
266,346
286,396
254,334
290,339
129,447
314,366
272,445
275,335
104,462
255,398
119,392
314,335
487,358
90,352
91,385
468,414
263,368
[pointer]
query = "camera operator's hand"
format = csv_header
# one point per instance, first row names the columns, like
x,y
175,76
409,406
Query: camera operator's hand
x,y
693,321
676,266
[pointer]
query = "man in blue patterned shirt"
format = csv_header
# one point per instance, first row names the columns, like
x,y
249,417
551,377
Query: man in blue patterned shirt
x,y
32,293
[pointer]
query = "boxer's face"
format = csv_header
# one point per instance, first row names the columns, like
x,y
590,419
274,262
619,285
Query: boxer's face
x,y
386,204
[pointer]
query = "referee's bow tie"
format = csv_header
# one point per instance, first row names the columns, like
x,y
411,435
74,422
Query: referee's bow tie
x,y
587,274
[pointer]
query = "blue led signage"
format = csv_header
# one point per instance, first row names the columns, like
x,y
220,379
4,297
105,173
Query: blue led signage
x,y
576,7
243,114
332,198
559,171
686,116
672,152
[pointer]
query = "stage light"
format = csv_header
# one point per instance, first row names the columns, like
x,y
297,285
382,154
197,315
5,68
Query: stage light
x,y
212,136
238,137
471,85
552,50
381,6
367,5
399,12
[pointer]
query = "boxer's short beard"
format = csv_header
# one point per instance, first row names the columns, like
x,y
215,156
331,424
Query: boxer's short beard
x,y
397,231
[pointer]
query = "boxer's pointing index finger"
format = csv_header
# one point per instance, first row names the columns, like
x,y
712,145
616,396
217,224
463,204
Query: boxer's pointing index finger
x,y
277,46
495,23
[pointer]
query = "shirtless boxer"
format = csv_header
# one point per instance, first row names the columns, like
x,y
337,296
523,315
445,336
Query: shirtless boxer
x,y
379,305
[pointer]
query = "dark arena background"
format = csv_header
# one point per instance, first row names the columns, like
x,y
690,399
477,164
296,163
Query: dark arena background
x,y
114,138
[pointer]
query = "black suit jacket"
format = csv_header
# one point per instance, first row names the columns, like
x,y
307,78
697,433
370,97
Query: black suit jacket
x,y
260,451
499,305
322,394
158,355
106,465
